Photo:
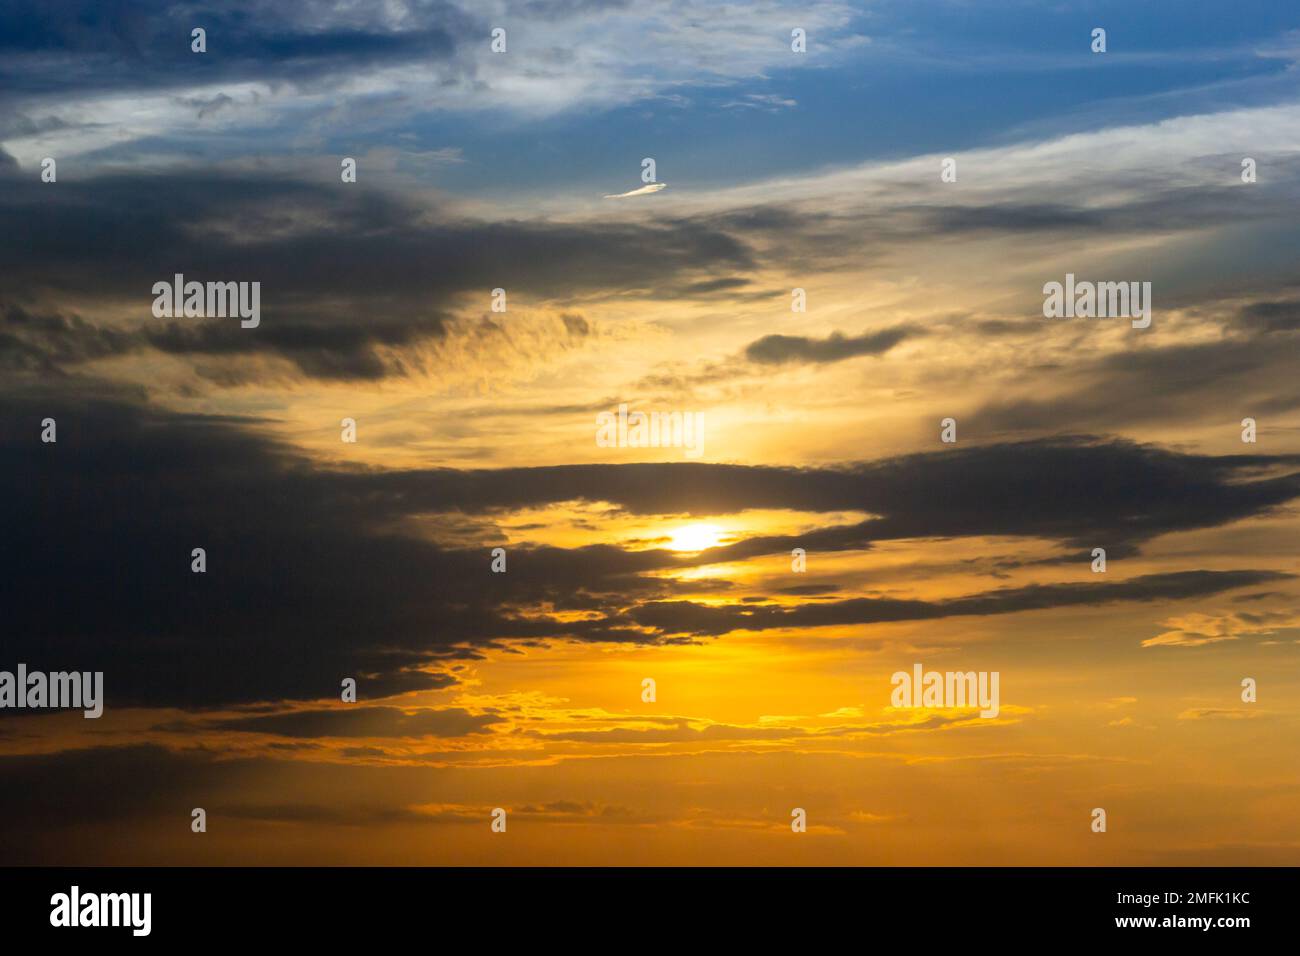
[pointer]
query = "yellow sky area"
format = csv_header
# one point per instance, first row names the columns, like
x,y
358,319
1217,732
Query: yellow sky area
x,y
1022,792
575,524
746,727
1133,707
523,388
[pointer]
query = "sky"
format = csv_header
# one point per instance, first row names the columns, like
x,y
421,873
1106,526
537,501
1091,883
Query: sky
x,y
849,250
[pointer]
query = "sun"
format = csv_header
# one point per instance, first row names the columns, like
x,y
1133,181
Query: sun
x,y
695,537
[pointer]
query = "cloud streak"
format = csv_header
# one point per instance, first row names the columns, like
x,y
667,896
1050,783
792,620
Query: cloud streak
x,y
646,190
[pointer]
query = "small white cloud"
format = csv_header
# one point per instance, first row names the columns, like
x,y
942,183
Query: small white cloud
x,y
769,102
645,190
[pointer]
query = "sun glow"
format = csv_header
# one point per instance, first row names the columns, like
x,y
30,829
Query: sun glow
x,y
695,537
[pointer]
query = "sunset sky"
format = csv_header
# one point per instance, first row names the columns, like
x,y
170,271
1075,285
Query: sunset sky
x,y
476,429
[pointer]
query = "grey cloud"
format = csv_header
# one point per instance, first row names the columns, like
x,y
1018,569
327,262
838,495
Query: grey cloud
x,y
316,573
70,46
1176,382
1272,315
681,617
344,275
781,349
358,721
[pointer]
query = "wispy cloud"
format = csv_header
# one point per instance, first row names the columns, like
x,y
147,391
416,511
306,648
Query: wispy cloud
x,y
645,190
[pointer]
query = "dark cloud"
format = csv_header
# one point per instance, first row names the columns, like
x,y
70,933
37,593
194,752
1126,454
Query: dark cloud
x,y
726,284
69,46
1272,316
354,280
809,590
781,349
1157,206
151,788
45,342
576,324
142,783
350,280
1071,489
1010,218
357,721
317,574
1222,380
684,617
